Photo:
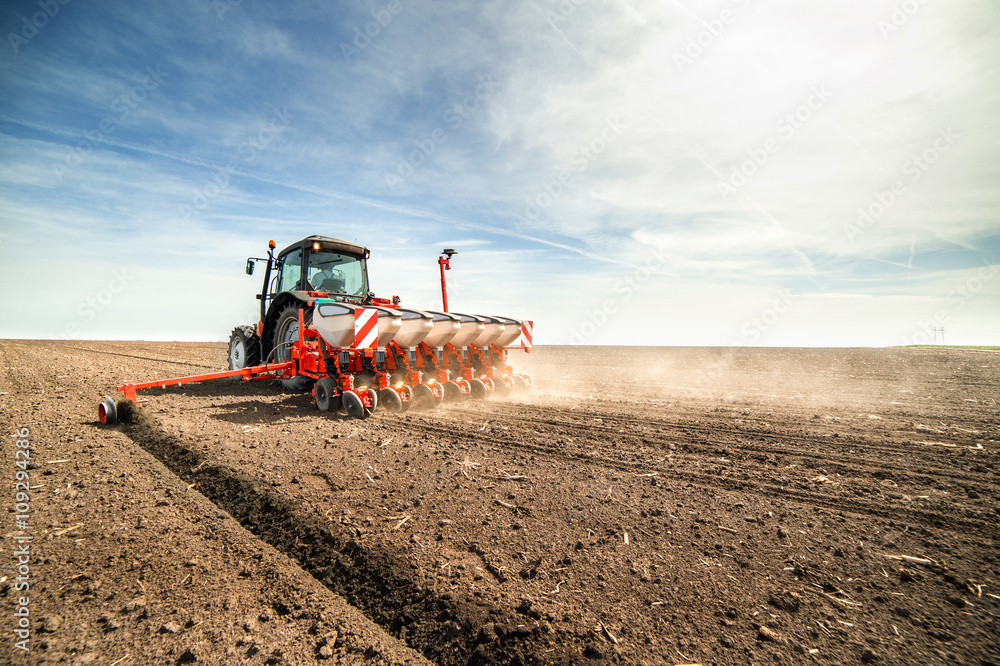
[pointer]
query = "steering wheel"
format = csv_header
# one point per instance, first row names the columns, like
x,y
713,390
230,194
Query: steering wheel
x,y
332,284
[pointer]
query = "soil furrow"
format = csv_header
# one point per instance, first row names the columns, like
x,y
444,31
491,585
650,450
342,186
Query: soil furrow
x,y
374,580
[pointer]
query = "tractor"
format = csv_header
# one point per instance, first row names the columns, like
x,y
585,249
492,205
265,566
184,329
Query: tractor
x,y
321,327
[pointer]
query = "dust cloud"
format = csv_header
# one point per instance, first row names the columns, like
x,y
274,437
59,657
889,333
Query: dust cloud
x,y
859,378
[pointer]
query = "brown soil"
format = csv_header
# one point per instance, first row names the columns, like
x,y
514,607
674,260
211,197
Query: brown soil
x,y
713,506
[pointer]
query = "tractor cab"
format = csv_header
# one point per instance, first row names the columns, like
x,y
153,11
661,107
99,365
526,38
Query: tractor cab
x,y
314,267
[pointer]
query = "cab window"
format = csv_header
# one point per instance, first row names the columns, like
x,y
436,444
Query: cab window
x,y
291,270
337,273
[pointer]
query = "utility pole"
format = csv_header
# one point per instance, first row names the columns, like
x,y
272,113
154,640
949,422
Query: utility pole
x,y
936,330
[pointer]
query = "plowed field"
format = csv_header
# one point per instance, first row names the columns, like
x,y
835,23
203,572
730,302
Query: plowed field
x,y
659,505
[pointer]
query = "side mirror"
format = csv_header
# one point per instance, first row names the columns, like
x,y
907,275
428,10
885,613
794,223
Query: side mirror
x,y
250,264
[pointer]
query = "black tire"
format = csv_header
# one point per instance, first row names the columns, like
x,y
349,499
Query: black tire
x,y
244,348
325,395
422,397
353,405
500,387
520,385
452,392
390,400
285,332
478,390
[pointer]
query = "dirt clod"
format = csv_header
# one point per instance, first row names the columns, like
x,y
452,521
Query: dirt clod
x,y
765,633
869,655
170,628
786,601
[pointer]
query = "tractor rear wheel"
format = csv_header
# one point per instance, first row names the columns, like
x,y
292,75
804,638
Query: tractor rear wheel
x,y
286,333
244,348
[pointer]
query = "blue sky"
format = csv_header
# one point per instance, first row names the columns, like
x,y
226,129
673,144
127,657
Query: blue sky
x,y
742,172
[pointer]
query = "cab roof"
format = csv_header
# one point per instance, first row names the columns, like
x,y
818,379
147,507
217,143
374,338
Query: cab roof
x,y
328,243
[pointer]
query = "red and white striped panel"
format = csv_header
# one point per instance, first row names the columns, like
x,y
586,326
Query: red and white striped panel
x,y
365,328
526,331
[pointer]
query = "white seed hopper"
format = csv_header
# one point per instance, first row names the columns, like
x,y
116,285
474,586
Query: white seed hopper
x,y
493,328
511,331
446,326
417,325
390,321
335,323
472,328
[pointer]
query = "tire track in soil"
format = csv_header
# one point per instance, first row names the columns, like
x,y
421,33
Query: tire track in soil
x,y
646,422
145,358
443,628
860,464
649,420
856,462
982,523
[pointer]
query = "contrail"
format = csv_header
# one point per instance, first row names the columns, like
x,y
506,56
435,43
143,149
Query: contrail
x,y
332,194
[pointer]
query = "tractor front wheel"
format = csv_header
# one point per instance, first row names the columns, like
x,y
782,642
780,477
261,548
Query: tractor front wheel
x,y
244,348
